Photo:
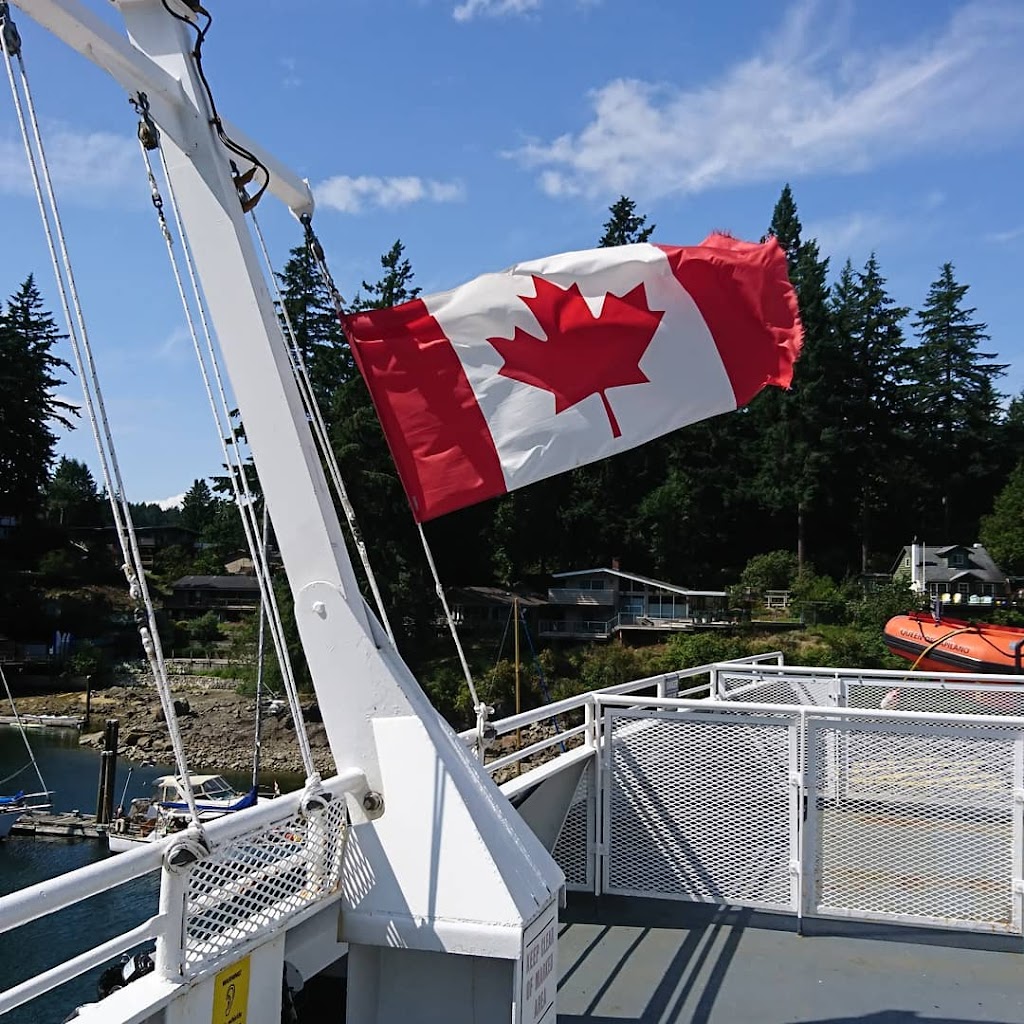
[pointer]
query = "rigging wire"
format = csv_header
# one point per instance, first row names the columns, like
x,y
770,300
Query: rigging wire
x,y
477,705
28,746
320,433
482,710
81,347
230,449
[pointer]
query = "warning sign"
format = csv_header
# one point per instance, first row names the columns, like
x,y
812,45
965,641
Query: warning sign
x,y
539,969
231,994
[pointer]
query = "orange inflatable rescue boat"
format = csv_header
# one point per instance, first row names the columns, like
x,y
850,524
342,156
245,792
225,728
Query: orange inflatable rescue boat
x,y
952,645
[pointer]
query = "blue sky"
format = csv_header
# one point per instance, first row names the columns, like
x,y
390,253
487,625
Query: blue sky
x,y
484,132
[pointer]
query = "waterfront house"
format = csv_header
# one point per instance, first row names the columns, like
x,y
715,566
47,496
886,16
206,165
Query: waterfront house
x,y
602,603
955,573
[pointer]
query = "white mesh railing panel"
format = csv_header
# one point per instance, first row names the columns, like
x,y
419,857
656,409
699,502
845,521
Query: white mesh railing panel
x,y
574,849
252,884
901,695
700,808
814,691
913,823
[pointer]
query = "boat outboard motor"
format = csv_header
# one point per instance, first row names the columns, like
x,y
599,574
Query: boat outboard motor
x,y
127,970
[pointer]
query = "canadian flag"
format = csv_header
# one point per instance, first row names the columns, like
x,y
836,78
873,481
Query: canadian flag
x,y
519,375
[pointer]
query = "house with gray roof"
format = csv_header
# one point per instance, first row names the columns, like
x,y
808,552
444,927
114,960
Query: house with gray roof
x,y
956,573
602,603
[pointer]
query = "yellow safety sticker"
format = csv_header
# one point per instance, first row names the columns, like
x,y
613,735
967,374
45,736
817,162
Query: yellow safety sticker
x,y
231,994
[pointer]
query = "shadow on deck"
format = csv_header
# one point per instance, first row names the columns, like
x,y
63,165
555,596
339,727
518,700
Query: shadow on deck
x,y
660,962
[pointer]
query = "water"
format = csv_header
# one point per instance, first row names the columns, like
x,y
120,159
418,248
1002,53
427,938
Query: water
x,y
72,773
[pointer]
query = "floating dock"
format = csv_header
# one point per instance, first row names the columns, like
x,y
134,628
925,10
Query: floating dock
x,y
63,825
44,721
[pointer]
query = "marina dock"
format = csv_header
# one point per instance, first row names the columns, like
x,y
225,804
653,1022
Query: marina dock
x,y
61,825
44,721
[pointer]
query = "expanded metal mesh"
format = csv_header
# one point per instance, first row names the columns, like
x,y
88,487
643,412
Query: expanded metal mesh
x,y
826,689
700,808
777,689
249,886
574,850
935,698
913,821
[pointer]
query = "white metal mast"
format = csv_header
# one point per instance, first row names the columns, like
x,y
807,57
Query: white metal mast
x,y
440,862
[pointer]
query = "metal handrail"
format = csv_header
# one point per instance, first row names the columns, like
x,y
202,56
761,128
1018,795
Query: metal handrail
x,y
916,677
535,748
1002,722
45,898
77,966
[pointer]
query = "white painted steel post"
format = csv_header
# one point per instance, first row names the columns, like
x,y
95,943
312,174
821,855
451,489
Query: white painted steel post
x,y
1017,880
589,719
170,945
797,798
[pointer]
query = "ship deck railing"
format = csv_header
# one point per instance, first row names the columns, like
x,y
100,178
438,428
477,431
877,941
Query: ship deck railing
x,y
814,793
269,866
832,794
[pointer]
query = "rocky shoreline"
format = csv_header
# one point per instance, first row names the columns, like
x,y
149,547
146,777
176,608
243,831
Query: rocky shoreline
x,y
217,726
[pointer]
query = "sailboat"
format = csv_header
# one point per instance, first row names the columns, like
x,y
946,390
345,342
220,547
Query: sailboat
x,y
13,806
166,811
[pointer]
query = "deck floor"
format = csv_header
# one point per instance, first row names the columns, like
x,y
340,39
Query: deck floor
x,y
660,962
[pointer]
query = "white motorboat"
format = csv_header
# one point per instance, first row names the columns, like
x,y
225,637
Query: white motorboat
x,y
165,811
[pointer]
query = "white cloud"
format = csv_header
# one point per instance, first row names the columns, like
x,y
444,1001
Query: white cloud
x,y
173,346
1009,235
172,502
352,195
86,167
471,8
805,105
837,236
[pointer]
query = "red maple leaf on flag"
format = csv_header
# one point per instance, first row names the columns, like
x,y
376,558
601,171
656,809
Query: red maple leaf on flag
x,y
582,355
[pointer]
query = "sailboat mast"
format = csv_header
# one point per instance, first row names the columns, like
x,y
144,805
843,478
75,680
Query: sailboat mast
x,y
261,637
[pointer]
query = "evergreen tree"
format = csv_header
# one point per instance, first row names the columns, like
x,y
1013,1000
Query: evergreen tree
x,y
30,370
624,226
795,436
395,285
786,227
309,309
955,383
872,404
72,497
198,507
1002,531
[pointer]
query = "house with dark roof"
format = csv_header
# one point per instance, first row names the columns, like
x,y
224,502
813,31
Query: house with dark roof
x,y
954,573
489,609
602,603
229,596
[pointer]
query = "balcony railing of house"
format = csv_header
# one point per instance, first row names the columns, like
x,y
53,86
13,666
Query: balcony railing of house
x,y
575,596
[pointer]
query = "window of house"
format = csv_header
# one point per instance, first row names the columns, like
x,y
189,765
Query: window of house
x,y
957,559
964,588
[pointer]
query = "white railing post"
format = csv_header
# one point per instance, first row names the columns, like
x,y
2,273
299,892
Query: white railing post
x,y
590,721
598,838
713,682
1017,875
170,945
660,686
